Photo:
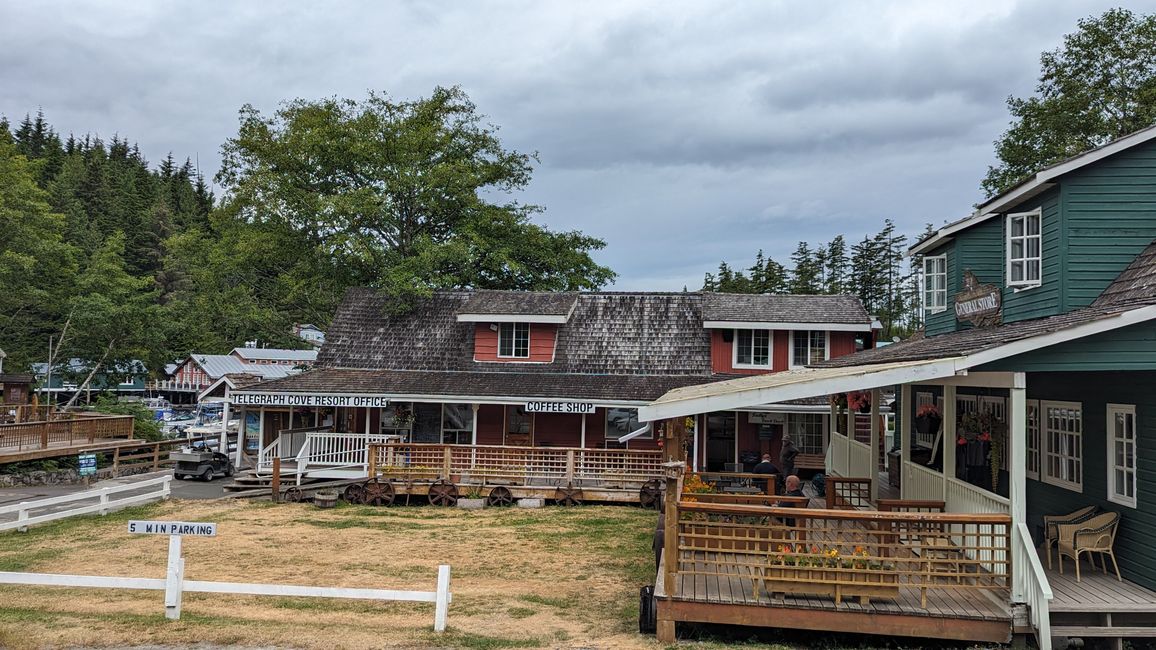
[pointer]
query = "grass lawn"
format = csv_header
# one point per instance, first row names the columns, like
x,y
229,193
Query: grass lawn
x,y
552,577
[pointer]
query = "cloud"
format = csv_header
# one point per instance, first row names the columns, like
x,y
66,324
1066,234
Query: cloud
x,y
682,133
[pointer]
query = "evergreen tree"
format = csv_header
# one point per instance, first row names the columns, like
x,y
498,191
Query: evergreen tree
x,y
805,276
836,261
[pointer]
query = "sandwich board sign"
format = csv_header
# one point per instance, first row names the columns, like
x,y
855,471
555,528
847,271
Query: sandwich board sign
x,y
86,464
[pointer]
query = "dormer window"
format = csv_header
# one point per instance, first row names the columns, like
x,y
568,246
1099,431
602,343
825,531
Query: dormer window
x,y
514,340
752,348
1023,249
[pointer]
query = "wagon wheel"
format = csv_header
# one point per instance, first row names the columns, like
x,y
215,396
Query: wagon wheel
x,y
568,496
650,496
355,494
294,495
443,493
500,497
378,493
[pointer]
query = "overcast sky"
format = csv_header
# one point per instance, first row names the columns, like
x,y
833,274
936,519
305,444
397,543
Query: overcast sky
x,y
682,133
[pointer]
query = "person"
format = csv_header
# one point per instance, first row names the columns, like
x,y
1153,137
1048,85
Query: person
x,y
794,488
766,467
787,455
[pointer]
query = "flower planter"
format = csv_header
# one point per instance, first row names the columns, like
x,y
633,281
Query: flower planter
x,y
865,586
325,498
927,424
834,582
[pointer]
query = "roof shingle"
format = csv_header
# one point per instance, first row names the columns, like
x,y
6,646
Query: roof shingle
x,y
772,308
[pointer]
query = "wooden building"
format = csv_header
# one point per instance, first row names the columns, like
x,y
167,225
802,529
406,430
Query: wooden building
x,y
1039,358
553,369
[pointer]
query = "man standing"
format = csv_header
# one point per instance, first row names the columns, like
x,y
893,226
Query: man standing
x,y
787,455
766,467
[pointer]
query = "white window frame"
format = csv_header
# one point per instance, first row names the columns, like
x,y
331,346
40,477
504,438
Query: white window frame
x,y
770,349
513,327
1113,496
645,436
797,426
791,347
1068,483
928,307
1033,441
456,432
1025,283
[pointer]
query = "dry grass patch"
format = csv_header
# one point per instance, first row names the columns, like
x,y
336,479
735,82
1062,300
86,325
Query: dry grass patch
x,y
522,578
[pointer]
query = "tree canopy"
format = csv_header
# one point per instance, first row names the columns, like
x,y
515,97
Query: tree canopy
x,y
1098,86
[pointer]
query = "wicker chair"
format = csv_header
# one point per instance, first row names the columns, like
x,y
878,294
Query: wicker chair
x,y
1051,522
1095,535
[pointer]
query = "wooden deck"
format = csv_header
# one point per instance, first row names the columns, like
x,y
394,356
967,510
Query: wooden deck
x,y
67,434
972,615
1100,605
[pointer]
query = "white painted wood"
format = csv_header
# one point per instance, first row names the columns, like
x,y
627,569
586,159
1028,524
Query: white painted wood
x,y
80,496
876,396
224,437
1030,584
441,603
174,577
921,482
103,504
785,325
905,439
66,580
948,437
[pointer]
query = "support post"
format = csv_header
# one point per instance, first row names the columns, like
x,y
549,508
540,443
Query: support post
x,y
950,433
447,463
156,456
103,501
845,471
223,443
570,466
674,474
290,417
116,462
1017,446
694,444
442,600
875,444
174,579
582,436
242,429
903,430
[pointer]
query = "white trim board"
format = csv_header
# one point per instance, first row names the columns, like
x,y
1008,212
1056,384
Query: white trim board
x,y
784,325
514,318
460,399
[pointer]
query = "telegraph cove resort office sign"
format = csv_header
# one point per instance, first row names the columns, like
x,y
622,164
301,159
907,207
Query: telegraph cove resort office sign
x,y
302,399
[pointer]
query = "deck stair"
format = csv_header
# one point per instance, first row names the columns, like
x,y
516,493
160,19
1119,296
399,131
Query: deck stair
x,y
1100,606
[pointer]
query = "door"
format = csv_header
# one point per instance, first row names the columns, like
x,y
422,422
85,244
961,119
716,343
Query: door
x,y
720,440
519,426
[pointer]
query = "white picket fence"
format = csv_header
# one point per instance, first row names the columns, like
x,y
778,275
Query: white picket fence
x,y
24,510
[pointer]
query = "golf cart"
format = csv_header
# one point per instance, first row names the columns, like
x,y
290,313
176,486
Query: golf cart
x,y
202,463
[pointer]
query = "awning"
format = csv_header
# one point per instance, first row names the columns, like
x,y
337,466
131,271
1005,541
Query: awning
x,y
793,384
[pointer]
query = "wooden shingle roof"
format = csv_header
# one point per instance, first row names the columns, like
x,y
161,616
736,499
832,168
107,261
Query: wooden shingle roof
x,y
770,308
548,303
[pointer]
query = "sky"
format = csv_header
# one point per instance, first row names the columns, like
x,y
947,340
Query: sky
x,y
681,133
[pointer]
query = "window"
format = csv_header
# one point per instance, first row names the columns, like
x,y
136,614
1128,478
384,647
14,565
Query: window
x,y
935,284
752,349
965,404
807,431
925,439
1023,249
620,421
397,420
457,424
1033,446
1122,454
1063,444
808,347
514,340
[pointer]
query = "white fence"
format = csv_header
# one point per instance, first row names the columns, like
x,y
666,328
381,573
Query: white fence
x,y
921,482
25,509
860,461
1031,584
838,462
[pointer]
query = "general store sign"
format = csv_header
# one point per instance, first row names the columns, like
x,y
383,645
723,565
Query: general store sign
x,y
193,528
559,407
978,303
304,399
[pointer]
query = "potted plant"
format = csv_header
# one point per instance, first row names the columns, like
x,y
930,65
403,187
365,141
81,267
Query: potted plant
x,y
859,400
927,419
473,499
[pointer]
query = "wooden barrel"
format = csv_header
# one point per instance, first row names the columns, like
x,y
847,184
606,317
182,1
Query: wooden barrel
x,y
325,498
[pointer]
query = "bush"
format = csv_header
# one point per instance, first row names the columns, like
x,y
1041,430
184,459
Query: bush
x,y
146,426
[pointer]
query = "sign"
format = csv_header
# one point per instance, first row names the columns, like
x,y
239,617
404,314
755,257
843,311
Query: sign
x,y
559,407
755,417
194,528
86,464
301,399
978,303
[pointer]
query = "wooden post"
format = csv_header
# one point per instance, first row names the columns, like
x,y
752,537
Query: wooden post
x,y
116,461
875,443
1017,445
156,456
674,473
569,465
447,460
276,479
948,440
903,430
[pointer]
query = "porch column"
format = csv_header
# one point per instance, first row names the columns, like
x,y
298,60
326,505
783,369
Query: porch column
x,y
874,455
582,434
1017,472
903,430
474,425
948,440
290,417
850,436
240,438
224,441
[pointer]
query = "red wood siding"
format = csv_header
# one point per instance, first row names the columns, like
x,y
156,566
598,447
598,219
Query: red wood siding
x,y
722,354
557,429
491,421
542,338
841,343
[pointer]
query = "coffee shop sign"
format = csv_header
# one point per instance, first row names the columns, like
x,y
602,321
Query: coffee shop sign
x,y
305,399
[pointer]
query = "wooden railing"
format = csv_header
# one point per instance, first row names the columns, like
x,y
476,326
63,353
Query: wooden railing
x,y
848,493
76,429
921,482
469,464
21,413
860,462
838,459
834,553
909,505
1032,585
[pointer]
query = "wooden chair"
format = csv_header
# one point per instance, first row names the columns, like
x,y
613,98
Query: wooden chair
x,y
1095,535
1051,522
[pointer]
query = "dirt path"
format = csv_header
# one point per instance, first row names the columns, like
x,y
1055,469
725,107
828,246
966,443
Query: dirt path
x,y
521,578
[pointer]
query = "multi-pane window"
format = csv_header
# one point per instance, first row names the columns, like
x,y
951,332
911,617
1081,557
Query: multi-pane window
x,y
752,348
457,424
1122,454
1063,444
622,421
807,431
514,340
1033,443
808,347
935,284
397,419
1023,249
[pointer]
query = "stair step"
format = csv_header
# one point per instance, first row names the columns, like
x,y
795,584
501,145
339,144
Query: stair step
x,y
1103,631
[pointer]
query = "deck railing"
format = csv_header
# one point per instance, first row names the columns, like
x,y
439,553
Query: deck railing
x,y
838,458
483,464
848,493
860,462
1032,585
921,482
75,429
21,413
836,553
